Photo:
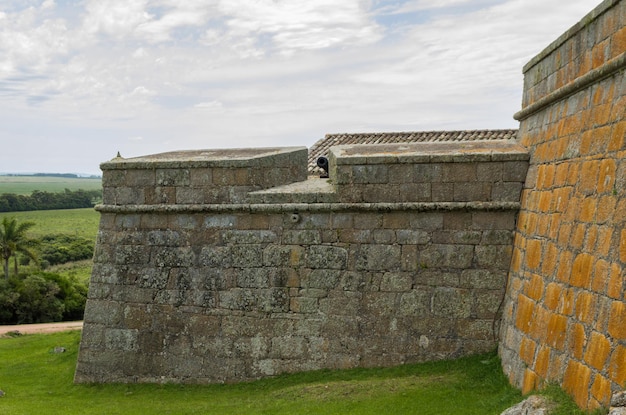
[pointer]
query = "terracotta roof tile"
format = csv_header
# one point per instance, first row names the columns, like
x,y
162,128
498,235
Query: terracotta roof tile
x,y
322,147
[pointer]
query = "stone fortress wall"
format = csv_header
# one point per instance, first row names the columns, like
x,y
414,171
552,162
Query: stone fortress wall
x,y
229,265
565,315
207,269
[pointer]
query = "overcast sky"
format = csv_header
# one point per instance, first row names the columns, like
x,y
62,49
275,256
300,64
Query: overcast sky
x,y
81,80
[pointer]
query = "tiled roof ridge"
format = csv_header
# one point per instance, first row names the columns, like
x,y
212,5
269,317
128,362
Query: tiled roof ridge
x,y
321,147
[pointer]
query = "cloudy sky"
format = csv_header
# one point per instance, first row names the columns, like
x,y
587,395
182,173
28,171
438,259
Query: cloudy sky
x,y
81,80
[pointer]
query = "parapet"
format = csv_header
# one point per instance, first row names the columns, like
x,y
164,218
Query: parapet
x,y
200,176
483,171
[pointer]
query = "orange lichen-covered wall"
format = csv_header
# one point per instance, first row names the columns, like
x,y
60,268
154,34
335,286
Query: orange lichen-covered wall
x,y
565,312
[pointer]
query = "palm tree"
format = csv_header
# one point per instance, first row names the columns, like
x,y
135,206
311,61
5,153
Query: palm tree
x,y
13,239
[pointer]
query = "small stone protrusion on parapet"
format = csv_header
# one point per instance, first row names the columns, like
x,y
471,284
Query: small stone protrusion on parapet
x,y
533,405
118,156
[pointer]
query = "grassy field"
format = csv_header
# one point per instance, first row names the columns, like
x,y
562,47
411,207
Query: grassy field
x,y
24,185
36,380
80,222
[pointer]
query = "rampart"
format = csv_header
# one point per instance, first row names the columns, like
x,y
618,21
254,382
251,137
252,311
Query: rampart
x,y
227,265
565,316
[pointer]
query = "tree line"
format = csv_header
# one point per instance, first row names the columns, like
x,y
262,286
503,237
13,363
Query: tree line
x,y
41,200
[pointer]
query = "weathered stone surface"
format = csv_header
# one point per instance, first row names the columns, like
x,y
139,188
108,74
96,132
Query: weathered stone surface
x,y
533,405
194,283
619,399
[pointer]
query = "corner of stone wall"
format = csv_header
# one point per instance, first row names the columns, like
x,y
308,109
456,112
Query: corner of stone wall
x,y
564,318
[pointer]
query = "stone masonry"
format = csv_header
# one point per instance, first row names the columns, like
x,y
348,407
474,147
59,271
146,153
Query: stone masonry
x,y
565,315
226,265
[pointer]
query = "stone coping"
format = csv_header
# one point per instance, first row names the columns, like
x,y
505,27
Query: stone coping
x,y
596,75
431,152
311,207
236,157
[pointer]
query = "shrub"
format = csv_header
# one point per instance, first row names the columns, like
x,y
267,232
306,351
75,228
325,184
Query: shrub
x,y
41,298
60,249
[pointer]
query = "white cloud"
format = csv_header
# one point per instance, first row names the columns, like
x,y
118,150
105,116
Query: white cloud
x,y
198,73
210,105
116,18
301,24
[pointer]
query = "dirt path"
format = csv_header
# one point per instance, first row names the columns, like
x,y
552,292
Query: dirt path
x,y
42,328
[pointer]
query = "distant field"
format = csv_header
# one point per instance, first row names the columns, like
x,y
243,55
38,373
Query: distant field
x,y
24,185
80,222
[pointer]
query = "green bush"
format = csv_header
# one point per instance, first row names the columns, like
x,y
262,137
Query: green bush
x,y
41,298
60,249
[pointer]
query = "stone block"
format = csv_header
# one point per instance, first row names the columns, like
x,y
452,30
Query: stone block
x,y
458,172
473,191
415,303
460,236
493,256
451,303
415,192
247,255
340,306
172,177
379,257
489,172
129,196
428,172
598,351
427,221
370,174
326,257
120,339
131,254
254,277
165,237
244,237
219,221
483,279
304,305
394,281
283,255
442,192
381,193
383,236
169,257
302,237
506,192
402,173
493,220
447,256
189,195
288,347
324,279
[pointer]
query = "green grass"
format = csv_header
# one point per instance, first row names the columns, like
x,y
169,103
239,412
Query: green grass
x,y
36,380
80,222
79,269
24,185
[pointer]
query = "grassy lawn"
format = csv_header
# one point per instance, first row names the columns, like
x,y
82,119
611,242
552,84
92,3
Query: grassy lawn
x,y
24,185
36,380
79,222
